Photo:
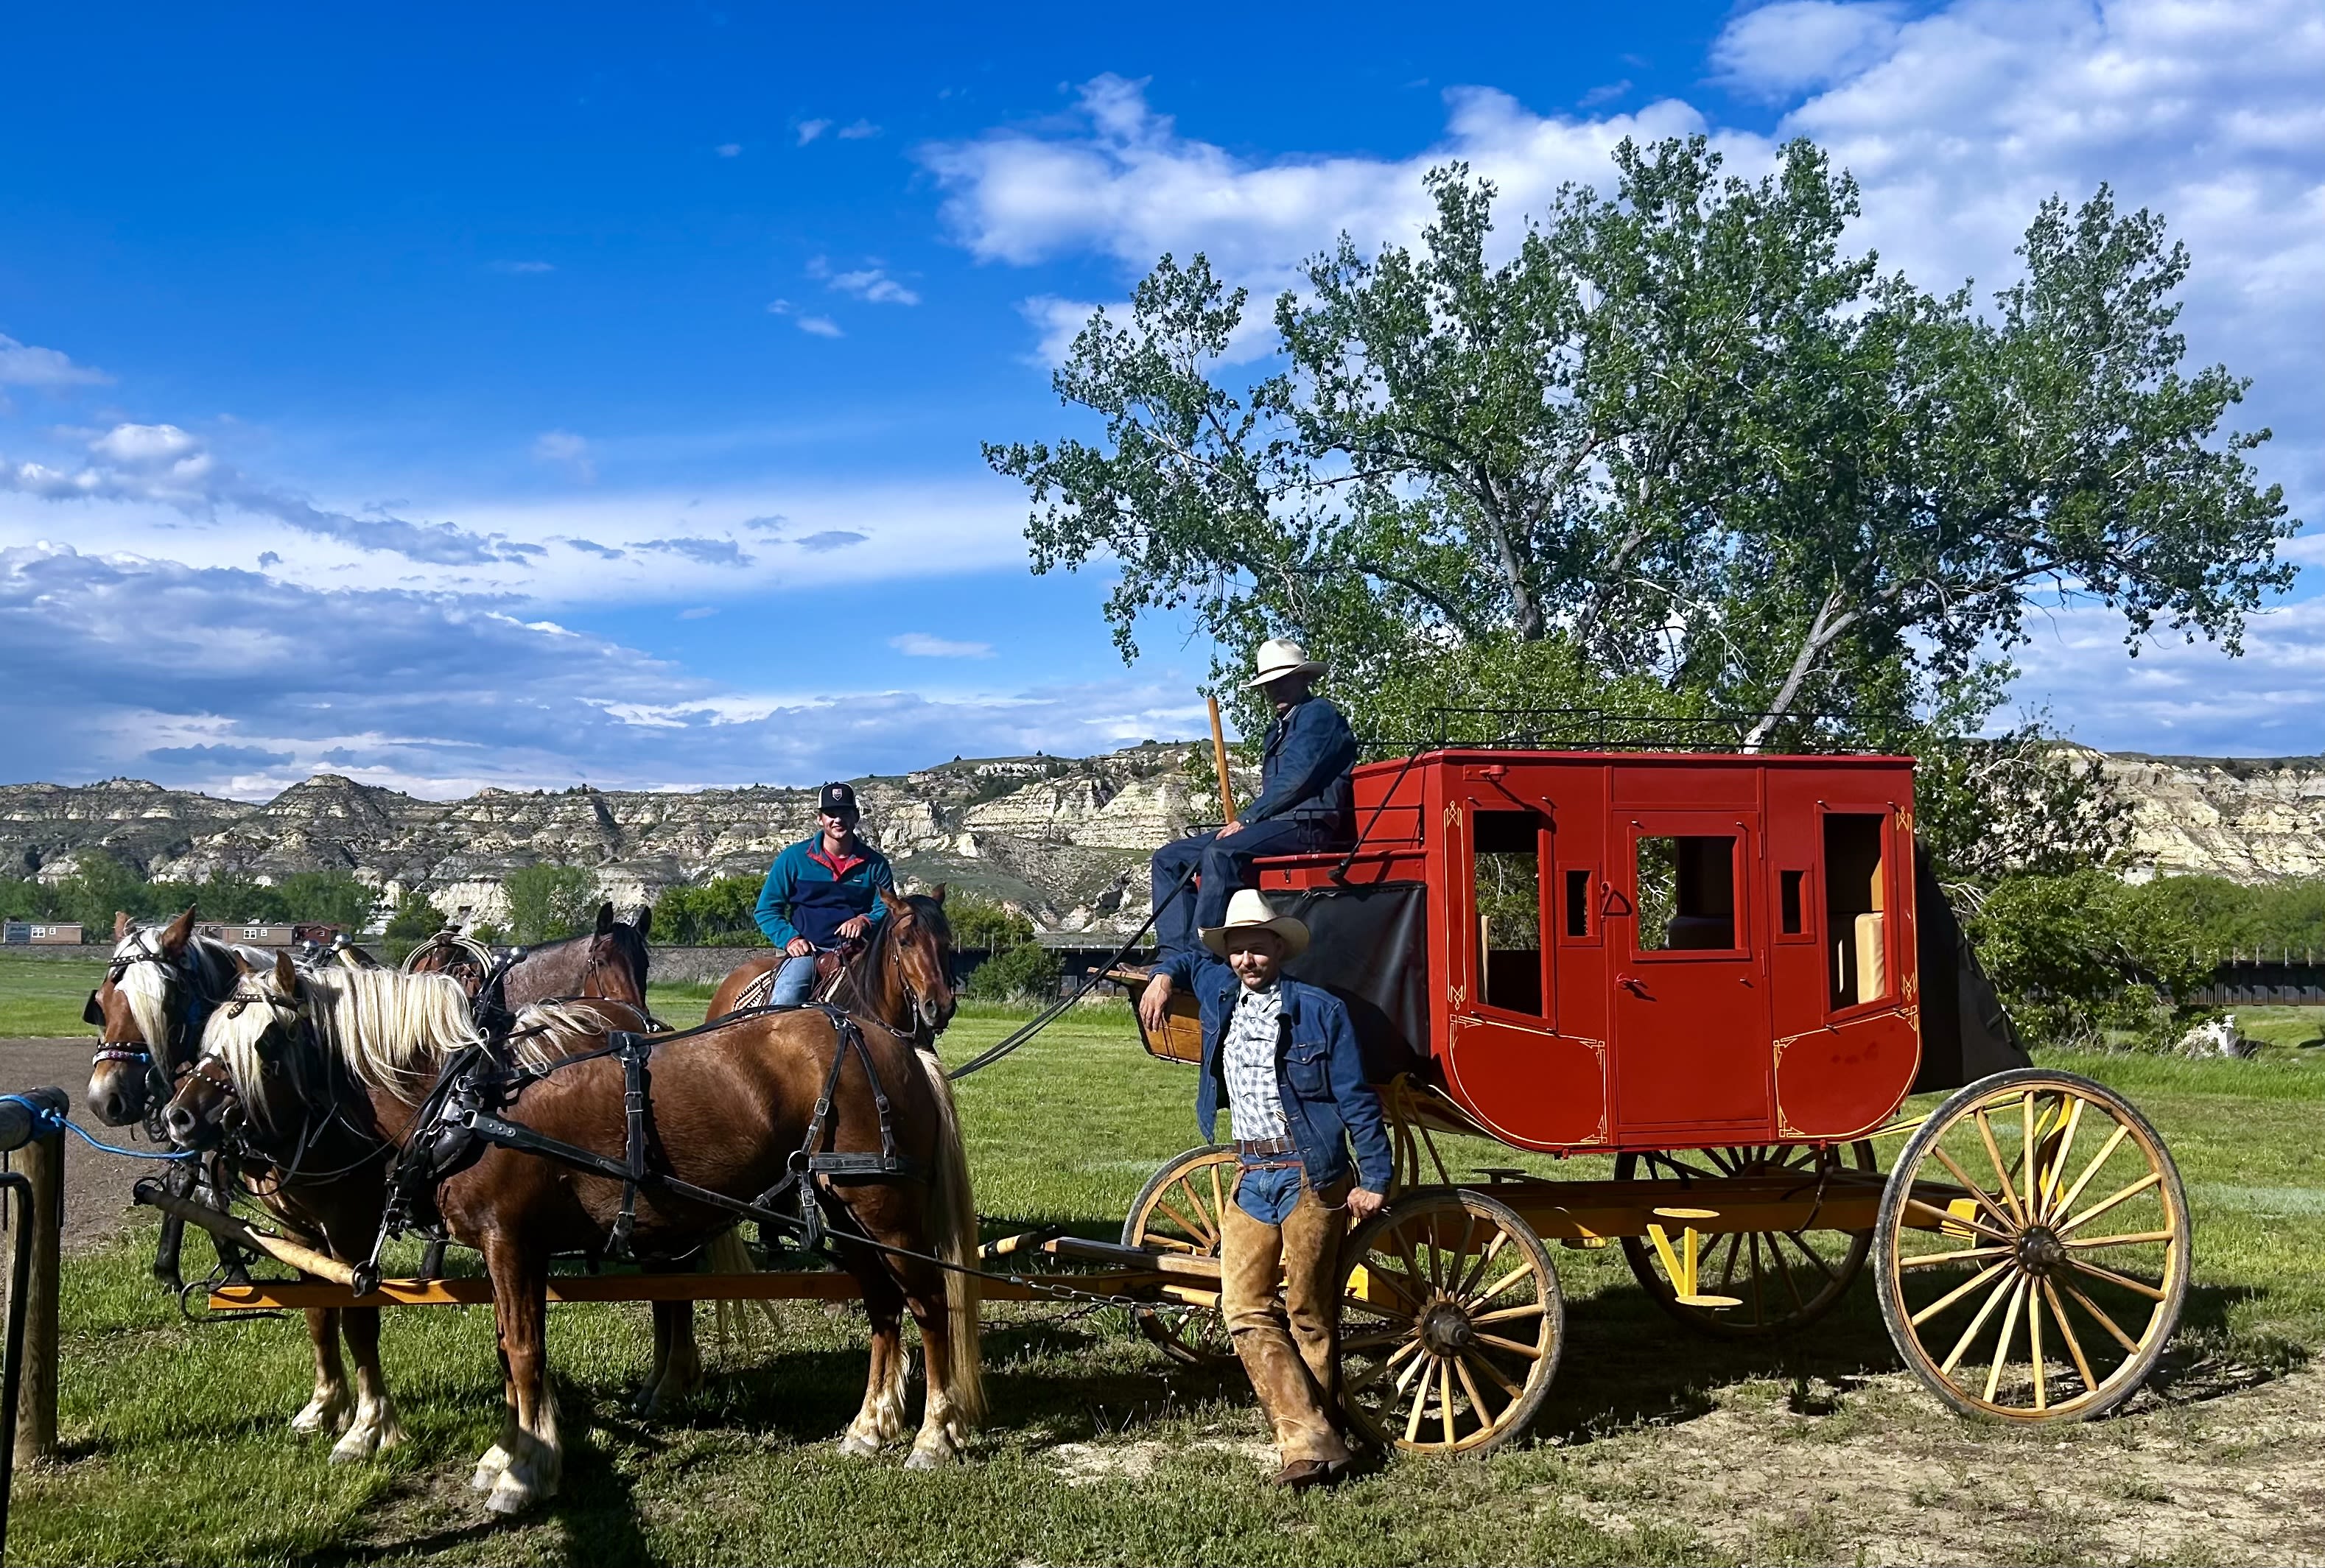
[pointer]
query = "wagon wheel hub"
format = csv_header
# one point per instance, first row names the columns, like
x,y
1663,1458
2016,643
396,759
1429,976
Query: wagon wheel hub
x,y
1446,1331
2038,1252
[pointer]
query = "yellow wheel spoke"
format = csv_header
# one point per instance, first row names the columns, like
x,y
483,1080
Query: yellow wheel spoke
x,y
2106,1322
2112,1277
2002,1288
1994,1153
1964,1255
2114,1142
1495,1372
1420,1403
1218,1195
1476,1270
1200,1234
1367,1342
1445,1399
2058,1165
1470,1386
2133,1239
1986,1200
1523,1271
1532,1309
1380,1368
1513,1346
2009,1335
2067,1331
2151,1179
2026,1171
2034,1348
1419,1364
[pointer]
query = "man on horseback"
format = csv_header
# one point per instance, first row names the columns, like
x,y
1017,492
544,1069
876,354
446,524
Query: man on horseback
x,y
822,894
1306,805
1284,1056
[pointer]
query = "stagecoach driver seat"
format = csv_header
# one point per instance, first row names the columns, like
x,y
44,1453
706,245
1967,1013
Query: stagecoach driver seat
x,y
1305,806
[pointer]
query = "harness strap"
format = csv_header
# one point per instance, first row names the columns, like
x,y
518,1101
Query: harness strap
x,y
633,1049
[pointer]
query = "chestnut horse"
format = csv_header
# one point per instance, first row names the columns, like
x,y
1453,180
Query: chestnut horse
x,y
159,985
730,1106
609,962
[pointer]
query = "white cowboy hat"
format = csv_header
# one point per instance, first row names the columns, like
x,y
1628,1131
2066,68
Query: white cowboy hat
x,y
1278,658
1250,910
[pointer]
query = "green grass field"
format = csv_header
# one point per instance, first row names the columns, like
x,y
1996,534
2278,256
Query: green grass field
x,y
177,1448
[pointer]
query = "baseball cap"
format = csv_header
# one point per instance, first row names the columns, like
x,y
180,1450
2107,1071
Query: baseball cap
x,y
838,800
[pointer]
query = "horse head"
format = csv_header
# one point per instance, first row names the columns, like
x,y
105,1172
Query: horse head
x,y
250,1077
143,1008
911,964
614,964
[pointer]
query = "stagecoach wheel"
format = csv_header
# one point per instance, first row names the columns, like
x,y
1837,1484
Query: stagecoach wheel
x,y
1450,1323
2033,1249
1782,1280
1178,1211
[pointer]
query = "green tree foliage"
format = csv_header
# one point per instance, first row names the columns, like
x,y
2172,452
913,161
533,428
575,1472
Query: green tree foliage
x,y
713,914
1679,455
415,920
330,897
2232,917
2085,958
1017,967
549,901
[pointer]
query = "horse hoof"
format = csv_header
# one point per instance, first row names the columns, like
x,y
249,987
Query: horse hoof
x,y
930,1458
490,1468
358,1444
854,1447
320,1417
509,1496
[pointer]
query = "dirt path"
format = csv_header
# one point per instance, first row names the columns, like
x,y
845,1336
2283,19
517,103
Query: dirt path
x,y
97,1185
1874,1473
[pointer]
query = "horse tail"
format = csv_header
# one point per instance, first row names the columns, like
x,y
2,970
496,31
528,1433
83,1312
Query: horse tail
x,y
728,1253
955,1206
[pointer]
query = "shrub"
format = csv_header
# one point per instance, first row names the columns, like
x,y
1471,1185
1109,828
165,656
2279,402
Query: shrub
x,y
546,902
713,914
2085,959
1025,970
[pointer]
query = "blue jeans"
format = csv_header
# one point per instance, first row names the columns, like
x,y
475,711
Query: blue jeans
x,y
1269,1192
1225,865
793,981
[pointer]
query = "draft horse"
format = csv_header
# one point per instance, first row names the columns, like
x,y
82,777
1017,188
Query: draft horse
x,y
731,1107
609,961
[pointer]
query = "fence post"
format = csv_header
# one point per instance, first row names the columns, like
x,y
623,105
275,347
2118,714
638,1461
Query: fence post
x,y
42,1161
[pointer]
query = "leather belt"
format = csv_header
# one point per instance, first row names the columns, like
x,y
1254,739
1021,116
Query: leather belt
x,y
1261,1148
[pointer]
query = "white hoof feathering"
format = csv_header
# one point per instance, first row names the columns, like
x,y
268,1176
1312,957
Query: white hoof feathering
x,y
330,1410
375,1431
490,1468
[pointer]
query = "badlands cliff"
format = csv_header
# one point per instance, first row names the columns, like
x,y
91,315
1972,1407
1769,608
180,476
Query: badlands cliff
x,y
1064,840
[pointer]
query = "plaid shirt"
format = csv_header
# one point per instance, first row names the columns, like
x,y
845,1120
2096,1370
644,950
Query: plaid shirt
x,y
1247,1061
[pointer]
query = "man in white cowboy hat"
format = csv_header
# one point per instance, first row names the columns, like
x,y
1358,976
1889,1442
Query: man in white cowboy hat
x,y
1305,805
1284,1056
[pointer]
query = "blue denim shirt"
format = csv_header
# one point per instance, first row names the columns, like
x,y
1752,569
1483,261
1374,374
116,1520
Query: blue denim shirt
x,y
1303,769
1321,1075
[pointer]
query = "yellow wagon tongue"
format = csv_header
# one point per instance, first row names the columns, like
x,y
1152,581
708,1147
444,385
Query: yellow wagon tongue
x,y
1682,1263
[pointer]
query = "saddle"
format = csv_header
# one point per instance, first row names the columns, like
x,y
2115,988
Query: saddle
x,y
830,968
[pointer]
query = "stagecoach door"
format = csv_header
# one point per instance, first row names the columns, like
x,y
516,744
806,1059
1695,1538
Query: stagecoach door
x,y
1690,991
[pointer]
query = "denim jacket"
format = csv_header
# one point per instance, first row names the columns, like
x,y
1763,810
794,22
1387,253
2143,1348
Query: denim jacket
x,y
1303,770
1326,1103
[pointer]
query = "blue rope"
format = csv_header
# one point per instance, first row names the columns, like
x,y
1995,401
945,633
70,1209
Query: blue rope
x,y
49,1121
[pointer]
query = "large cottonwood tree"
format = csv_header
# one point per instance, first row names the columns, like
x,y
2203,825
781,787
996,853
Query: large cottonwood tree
x,y
1680,450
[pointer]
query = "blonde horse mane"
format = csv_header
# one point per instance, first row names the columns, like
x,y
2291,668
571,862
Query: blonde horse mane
x,y
392,1030
143,977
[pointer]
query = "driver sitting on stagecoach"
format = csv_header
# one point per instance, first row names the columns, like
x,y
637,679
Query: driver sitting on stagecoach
x,y
821,895
1306,803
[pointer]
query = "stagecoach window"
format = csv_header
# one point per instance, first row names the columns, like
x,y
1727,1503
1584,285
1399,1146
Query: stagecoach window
x,y
1795,917
1687,892
1855,908
1578,903
1508,887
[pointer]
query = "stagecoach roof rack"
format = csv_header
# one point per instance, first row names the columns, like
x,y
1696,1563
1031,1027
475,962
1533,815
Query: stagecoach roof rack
x,y
1602,729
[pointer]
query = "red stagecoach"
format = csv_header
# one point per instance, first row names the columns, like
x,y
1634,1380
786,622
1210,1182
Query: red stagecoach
x,y
1729,972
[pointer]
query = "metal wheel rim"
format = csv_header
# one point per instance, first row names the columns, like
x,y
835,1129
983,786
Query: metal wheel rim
x,y
1409,1377
2045,1301
1783,1281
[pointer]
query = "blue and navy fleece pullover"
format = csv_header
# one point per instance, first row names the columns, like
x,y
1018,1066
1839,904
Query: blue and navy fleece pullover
x,y
810,893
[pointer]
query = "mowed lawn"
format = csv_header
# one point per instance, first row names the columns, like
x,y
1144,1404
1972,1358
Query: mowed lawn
x,y
176,1446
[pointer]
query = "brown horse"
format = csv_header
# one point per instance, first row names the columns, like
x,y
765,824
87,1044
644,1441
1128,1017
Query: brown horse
x,y
160,984
609,962
730,1106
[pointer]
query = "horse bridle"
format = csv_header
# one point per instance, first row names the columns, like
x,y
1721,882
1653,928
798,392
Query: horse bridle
x,y
159,1083
210,1069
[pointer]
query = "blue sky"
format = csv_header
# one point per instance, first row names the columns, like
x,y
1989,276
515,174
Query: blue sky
x,y
531,395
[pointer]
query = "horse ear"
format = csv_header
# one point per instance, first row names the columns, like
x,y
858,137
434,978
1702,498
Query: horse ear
x,y
605,917
642,921
178,933
286,973
935,895
891,902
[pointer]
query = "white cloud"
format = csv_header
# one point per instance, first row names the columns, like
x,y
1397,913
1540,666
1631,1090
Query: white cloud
x,y
808,130
857,131
26,364
572,450
920,645
820,327
164,466
1057,322
1795,45
874,285
216,679
699,613
523,268
729,149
